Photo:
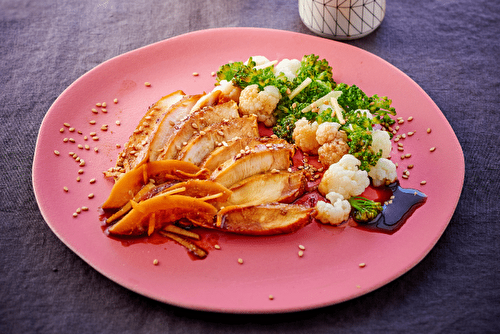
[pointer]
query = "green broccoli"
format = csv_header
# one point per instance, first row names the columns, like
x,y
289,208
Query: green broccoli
x,y
365,210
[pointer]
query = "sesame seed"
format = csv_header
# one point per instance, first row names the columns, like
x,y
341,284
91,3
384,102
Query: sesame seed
x,y
429,130
104,104
56,152
75,214
87,147
194,125
92,181
78,210
411,133
78,179
410,118
82,163
213,74
61,130
80,146
92,122
217,247
94,110
423,182
98,104
92,134
96,149
155,262
301,253
407,155
65,140
147,84
80,171
104,127
115,101
410,166
403,135
362,265
432,149
72,140
118,146
400,148
65,189
84,208
172,123
401,121
91,195
271,297
67,125
95,138
404,176
195,74
104,110
118,123
240,261
302,247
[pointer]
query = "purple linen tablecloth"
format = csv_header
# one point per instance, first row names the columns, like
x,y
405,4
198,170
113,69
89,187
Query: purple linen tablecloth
x,y
450,48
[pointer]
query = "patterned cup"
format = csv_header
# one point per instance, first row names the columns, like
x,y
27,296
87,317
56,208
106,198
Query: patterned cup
x,y
342,19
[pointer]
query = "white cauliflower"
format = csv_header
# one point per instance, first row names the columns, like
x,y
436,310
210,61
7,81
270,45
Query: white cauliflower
x,y
335,212
288,67
333,143
260,103
327,132
259,60
384,172
304,136
345,178
229,90
381,141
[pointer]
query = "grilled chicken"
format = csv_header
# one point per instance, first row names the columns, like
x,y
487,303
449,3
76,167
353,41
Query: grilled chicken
x,y
135,151
282,186
180,110
266,219
233,147
193,124
218,135
259,159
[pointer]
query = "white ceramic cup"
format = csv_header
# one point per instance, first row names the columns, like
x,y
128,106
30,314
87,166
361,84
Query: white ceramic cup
x,y
342,19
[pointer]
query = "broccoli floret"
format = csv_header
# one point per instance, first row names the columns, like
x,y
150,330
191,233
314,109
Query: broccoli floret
x,y
285,126
227,71
312,67
365,210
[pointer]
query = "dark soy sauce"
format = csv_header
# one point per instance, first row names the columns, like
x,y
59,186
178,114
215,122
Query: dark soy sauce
x,y
404,203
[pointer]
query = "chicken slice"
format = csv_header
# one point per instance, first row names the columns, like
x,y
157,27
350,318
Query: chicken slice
x,y
180,110
266,219
192,125
282,186
260,159
135,150
218,134
233,147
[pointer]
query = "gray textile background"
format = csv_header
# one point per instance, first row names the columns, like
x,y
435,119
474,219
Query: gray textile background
x,y
450,48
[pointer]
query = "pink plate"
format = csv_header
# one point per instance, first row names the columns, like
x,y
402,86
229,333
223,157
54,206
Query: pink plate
x,y
329,271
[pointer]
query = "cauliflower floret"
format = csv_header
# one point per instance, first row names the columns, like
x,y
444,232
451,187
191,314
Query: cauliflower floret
x,y
345,178
381,141
334,213
327,132
260,103
229,90
330,153
288,67
333,143
304,136
384,172
259,60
